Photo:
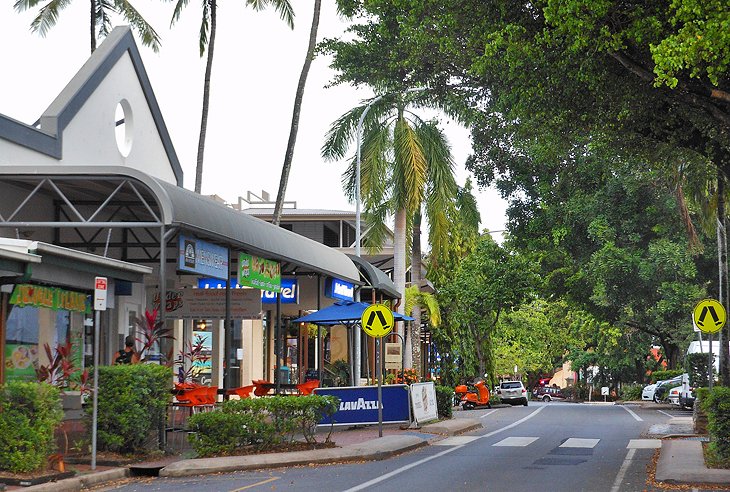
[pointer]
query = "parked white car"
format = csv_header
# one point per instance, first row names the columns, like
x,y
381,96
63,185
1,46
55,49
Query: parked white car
x,y
673,397
647,394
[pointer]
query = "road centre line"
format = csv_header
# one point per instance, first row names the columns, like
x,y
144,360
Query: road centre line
x,y
402,469
667,414
622,471
262,482
488,413
639,419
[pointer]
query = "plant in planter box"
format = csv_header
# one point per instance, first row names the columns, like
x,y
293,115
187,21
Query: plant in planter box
x,y
29,415
151,331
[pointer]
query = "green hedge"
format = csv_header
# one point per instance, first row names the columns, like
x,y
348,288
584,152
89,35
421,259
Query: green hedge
x,y
716,404
29,415
445,401
132,406
664,375
259,422
631,392
696,365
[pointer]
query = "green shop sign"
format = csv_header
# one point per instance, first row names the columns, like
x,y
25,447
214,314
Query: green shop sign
x,y
259,273
49,297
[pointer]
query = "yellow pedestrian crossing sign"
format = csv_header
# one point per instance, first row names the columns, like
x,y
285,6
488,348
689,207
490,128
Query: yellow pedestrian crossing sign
x,y
709,316
377,320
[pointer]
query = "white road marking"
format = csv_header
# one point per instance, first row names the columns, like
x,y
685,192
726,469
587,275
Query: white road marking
x,y
455,441
576,442
639,419
665,413
488,413
644,444
516,441
622,471
400,470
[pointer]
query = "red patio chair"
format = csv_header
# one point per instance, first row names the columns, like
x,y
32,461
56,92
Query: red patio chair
x,y
308,387
242,392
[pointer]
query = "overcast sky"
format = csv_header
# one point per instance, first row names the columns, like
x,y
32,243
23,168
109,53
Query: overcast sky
x,y
255,72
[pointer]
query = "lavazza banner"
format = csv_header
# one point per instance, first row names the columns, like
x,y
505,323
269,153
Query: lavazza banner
x,y
359,404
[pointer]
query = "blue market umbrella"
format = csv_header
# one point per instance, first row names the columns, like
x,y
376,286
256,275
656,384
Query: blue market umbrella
x,y
342,313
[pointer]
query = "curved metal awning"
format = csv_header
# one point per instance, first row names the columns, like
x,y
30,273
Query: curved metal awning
x,y
377,278
115,196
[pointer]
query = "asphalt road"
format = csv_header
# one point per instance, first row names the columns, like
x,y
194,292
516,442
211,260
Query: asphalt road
x,y
545,446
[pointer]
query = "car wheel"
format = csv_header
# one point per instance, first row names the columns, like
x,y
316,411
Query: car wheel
x,y
524,402
546,398
656,400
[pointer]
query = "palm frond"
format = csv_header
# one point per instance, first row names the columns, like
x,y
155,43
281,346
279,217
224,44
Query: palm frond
x,y
466,205
340,134
47,16
148,35
410,167
179,6
283,7
377,232
204,28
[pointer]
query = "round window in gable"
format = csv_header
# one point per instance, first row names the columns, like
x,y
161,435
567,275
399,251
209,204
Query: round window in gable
x,y
124,127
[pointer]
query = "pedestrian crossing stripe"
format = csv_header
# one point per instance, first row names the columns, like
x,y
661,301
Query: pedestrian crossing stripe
x,y
575,442
516,441
644,444
455,441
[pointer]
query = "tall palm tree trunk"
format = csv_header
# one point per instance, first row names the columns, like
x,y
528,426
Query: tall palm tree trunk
x,y
399,269
289,155
93,25
416,281
206,99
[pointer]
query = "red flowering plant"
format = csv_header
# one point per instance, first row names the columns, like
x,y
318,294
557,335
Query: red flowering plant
x,y
151,331
61,370
408,376
190,357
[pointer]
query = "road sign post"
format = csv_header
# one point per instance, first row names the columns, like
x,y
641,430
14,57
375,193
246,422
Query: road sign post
x,y
377,321
100,288
709,316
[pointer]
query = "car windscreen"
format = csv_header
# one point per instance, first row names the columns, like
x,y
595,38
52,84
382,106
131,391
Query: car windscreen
x,y
511,385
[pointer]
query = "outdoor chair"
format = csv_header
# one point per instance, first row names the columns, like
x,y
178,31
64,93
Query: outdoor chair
x,y
242,392
308,387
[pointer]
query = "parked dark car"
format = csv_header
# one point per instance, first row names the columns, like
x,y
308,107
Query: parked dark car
x,y
662,388
548,394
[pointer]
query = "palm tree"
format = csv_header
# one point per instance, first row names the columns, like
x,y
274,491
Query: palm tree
x,y
416,301
289,154
101,12
406,164
206,40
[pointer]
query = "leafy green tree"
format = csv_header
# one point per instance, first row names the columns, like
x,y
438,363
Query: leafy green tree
x,y
100,19
206,41
489,283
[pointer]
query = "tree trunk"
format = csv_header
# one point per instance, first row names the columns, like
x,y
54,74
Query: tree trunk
x,y
399,274
722,276
206,100
416,281
93,25
289,155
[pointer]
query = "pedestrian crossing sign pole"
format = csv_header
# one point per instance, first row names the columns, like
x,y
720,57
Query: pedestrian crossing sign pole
x,y
709,316
377,321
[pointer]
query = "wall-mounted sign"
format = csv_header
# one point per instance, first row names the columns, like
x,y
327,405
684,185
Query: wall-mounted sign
x,y
289,289
393,356
259,272
49,297
211,303
198,256
339,289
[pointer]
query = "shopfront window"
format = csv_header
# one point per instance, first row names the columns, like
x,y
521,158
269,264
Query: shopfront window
x,y
37,317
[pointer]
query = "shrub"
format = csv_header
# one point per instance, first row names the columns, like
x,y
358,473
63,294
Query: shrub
x,y
132,405
631,392
663,375
29,415
716,404
259,422
695,365
445,401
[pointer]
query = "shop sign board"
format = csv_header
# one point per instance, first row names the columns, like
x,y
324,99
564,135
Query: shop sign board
x,y
423,402
53,298
393,356
202,257
359,404
259,273
339,289
211,303
289,289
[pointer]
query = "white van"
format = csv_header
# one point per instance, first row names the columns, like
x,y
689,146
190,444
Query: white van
x,y
694,347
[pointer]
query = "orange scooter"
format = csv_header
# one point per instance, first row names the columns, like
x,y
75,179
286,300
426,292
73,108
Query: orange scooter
x,y
479,397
